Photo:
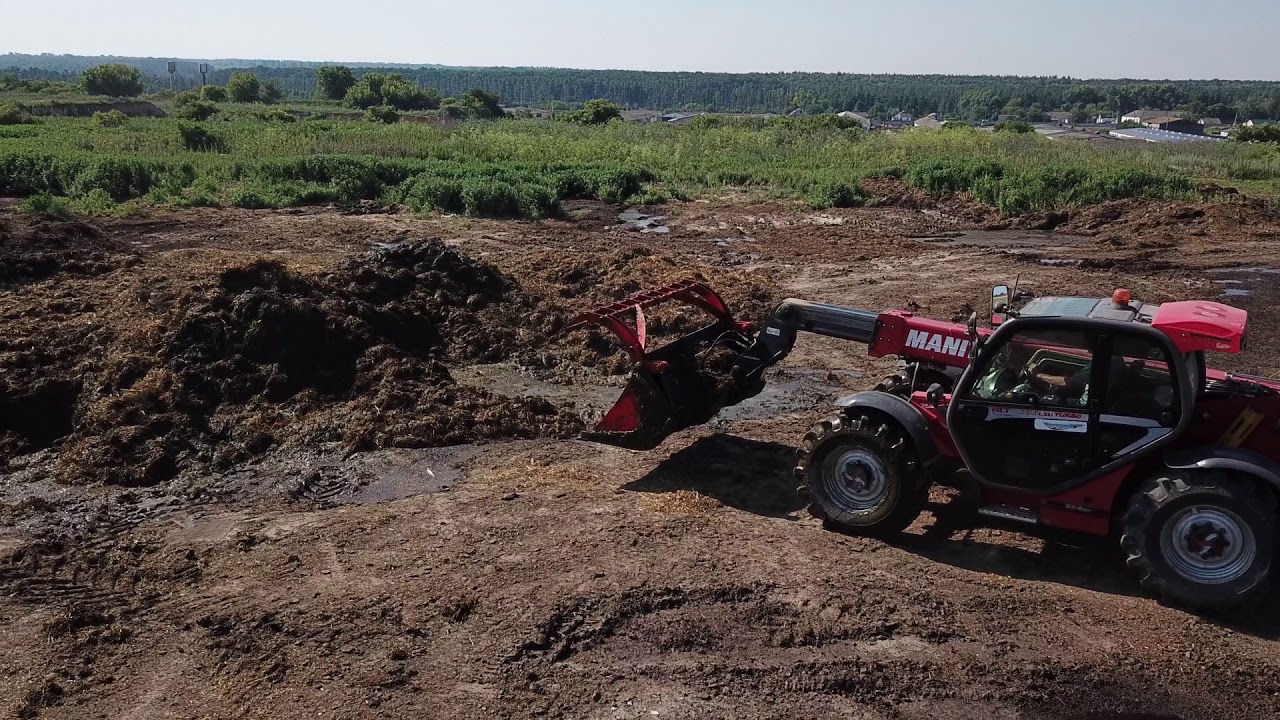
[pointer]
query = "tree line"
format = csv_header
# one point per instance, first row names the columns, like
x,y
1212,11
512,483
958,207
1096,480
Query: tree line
x,y
957,96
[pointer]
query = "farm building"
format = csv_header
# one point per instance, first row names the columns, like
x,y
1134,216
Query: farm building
x,y
862,118
1145,116
929,121
1161,136
1174,123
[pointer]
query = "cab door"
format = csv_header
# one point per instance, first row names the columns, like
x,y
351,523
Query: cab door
x,y
1038,409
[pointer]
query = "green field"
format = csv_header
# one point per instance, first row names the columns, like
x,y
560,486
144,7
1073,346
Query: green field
x,y
524,168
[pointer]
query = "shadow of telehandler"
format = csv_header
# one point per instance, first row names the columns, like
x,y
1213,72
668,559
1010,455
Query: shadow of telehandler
x,y
750,475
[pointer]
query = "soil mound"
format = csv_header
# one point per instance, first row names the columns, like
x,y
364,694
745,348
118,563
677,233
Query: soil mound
x,y
1134,218
265,356
44,249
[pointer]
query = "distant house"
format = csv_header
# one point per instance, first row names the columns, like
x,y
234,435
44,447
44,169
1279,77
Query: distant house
x,y
798,112
904,117
929,121
1174,123
1101,120
1142,117
862,118
1259,123
1210,121
641,115
680,118
1060,117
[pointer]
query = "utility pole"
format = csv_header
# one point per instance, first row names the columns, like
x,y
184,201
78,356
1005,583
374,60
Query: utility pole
x,y
173,68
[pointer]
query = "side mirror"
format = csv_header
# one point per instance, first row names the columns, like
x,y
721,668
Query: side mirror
x,y
999,299
935,395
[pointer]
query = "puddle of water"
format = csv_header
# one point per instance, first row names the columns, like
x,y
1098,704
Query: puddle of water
x,y
395,474
1244,282
634,220
1005,238
790,390
1058,261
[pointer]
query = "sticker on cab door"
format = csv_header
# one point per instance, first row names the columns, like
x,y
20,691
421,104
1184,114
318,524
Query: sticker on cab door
x,y
1007,413
1067,426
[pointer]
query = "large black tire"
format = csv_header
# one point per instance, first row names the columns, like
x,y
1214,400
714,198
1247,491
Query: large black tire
x,y
1201,540
861,475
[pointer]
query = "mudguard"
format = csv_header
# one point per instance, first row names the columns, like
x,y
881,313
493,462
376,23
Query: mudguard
x,y
1221,457
904,413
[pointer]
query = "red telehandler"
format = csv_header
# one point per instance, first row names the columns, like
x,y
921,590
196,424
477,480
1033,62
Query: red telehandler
x,y
1088,415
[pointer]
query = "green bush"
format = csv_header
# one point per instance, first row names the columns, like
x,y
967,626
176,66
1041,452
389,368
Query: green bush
x,y
119,178
594,112
390,89
213,93
11,114
332,83
490,198
46,204
946,175
98,202
198,110
837,194
250,199
197,138
112,79
243,87
428,192
382,114
1260,134
1015,126
110,119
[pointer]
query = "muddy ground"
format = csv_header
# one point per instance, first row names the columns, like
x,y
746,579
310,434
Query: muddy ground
x,y
320,464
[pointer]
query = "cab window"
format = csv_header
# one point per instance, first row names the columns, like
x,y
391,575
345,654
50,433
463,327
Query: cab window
x,y
1048,368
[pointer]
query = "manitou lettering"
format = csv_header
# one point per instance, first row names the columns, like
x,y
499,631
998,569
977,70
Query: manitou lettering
x,y
936,342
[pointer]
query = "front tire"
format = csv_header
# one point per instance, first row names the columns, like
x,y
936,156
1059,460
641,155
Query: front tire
x,y
1201,539
861,475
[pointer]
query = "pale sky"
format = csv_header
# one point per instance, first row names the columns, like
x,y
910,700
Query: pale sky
x,y
1237,39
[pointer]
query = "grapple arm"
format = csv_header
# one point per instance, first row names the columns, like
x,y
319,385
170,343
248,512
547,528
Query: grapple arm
x,y
675,386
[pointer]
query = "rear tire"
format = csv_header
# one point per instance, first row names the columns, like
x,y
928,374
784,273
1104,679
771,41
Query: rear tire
x,y
1201,539
861,475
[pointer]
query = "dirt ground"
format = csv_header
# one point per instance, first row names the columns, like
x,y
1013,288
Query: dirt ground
x,y
320,463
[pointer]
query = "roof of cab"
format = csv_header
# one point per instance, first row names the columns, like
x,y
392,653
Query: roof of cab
x,y
1194,325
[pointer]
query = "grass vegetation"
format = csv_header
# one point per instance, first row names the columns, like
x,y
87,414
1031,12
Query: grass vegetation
x,y
256,158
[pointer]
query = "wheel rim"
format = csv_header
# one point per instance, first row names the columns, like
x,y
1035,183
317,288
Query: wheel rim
x,y
856,480
1208,545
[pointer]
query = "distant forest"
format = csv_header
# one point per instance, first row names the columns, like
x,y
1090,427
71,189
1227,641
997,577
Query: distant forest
x,y
968,97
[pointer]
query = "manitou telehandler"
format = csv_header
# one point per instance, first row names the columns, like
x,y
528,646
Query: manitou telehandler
x,y
1090,415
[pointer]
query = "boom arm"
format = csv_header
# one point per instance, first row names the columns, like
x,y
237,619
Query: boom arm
x,y
778,335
